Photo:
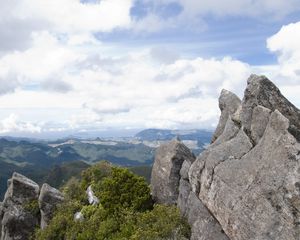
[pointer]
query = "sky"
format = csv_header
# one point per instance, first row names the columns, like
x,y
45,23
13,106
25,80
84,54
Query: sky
x,y
74,67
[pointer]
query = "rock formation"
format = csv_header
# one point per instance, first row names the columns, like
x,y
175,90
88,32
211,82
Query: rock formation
x,y
246,184
165,173
20,213
48,200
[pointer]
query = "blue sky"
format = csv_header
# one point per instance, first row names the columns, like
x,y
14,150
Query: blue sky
x,y
70,66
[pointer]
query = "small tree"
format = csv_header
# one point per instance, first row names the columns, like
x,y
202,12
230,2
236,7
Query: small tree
x,y
123,189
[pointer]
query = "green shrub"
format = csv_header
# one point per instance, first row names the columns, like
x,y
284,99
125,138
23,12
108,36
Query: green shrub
x,y
95,173
163,222
123,189
125,210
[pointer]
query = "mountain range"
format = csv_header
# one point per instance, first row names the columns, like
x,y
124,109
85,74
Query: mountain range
x,y
40,159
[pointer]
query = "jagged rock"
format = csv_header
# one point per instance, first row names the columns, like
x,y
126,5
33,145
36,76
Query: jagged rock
x,y
166,171
22,205
93,200
230,131
17,221
20,189
261,91
229,103
260,119
49,199
250,181
247,182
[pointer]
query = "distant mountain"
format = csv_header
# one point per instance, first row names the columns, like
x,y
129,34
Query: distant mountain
x,y
203,136
58,160
196,139
36,159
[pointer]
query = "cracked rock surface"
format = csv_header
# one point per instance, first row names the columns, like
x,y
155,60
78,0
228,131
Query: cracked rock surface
x,y
248,179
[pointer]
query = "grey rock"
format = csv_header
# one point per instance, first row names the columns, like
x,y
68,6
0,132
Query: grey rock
x,y
250,181
261,91
259,201
203,225
229,103
20,189
230,131
93,200
49,199
260,119
18,222
184,192
166,171
212,158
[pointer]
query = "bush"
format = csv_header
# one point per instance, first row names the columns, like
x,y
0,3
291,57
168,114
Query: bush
x,y
125,210
163,222
123,189
94,174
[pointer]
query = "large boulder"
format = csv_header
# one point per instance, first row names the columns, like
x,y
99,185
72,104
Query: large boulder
x,y
49,199
165,175
170,185
18,219
250,179
25,207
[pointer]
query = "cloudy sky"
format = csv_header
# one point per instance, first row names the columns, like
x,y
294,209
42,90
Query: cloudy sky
x,y
71,66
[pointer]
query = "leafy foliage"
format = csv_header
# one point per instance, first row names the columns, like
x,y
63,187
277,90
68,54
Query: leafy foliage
x,y
125,210
123,189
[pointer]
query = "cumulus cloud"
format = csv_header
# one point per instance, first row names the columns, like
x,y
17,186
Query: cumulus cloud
x,y
285,44
64,67
72,19
13,124
76,16
141,91
45,59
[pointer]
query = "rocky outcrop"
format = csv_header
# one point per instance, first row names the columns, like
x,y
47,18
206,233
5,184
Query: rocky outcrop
x,y
92,198
49,199
246,184
229,103
170,185
165,173
19,211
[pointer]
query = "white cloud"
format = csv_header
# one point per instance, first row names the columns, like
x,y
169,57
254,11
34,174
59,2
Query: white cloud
x,y
13,124
285,44
69,18
134,90
74,16
47,58
67,79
